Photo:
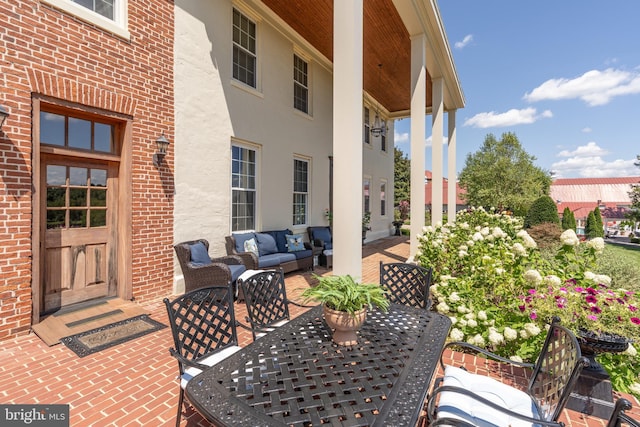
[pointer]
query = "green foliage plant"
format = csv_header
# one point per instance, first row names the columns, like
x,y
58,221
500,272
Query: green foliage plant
x,y
568,219
401,175
590,228
542,210
343,293
599,228
487,271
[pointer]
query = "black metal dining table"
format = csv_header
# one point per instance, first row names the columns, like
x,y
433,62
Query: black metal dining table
x,y
296,376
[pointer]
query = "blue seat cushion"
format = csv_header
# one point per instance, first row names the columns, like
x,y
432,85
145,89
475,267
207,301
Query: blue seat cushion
x,y
199,254
272,260
328,246
266,244
306,253
236,271
240,238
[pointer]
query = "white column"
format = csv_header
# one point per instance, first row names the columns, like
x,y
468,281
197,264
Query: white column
x,y
347,137
451,167
437,139
418,125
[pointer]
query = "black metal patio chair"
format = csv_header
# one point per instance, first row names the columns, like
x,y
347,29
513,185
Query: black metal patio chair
x,y
406,284
203,326
619,418
462,398
266,299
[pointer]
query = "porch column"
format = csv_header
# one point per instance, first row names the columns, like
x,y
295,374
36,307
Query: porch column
x,y
347,137
437,140
418,123
451,168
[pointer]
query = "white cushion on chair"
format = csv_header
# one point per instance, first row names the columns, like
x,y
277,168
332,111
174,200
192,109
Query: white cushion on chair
x,y
271,328
459,406
191,372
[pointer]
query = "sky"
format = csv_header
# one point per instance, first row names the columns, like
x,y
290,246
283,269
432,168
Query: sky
x,y
562,75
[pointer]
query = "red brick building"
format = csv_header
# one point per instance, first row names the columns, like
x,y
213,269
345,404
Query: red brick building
x,y
88,93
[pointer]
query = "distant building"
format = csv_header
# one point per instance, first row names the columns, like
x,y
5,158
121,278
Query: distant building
x,y
428,192
582,195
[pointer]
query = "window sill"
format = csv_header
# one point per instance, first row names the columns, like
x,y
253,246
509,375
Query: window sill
x,y
90,17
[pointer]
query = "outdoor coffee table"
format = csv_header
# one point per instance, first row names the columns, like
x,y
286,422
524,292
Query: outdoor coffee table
x,y
296,376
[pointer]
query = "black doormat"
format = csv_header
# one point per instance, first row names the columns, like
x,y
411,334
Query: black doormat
x,y
98,339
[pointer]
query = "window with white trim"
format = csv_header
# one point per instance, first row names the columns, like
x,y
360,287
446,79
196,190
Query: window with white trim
x,y
110,15
300,84
243,188
383,197
300,191
367,127
244,49
366,194
101,7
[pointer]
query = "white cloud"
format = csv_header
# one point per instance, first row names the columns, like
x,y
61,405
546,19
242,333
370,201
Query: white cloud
x,y
593,87
586,130
400,137
429,141
510,118
587,161
465,41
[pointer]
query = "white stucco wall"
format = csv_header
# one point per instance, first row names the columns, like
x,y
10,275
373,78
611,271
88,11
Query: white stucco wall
x,y
212,110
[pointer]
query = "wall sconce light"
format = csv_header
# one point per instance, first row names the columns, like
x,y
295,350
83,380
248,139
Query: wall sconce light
x,y
163,143
3,115
379,127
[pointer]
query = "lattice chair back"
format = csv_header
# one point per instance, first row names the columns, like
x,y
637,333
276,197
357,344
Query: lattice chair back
x,y
407,284
202,322
619,418
266,299
556,371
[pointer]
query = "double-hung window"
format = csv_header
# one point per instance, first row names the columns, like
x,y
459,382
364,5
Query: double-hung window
x,y
110,15
383,198
243,188
300,84
244,49
366,194
300,191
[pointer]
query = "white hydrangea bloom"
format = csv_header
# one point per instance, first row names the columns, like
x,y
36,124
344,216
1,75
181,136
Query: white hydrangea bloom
x,y
482,315
442,308
510,334
529,242
596,243
569,238
456,334
464,225
516,359
462,309
631,351
462,323
589,275
471,315
635,388
462,254
532,329
453,319
472,323
519,249
524,334
499,271
477,236
464,248
603,278
552,280
485,231
428,229
495,337
533,276
454,297
498,233
476,340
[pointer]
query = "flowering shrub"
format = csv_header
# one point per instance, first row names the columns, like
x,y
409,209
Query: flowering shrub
x,y
500,293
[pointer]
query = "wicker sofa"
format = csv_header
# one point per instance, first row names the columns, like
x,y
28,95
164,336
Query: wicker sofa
x,y
275,249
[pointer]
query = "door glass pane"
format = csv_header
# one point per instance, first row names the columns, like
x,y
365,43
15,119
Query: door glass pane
x,y
77,218
77,197
98,197
55,197
78,176
103,137
98,218
51,129
56,175
79,133
55,219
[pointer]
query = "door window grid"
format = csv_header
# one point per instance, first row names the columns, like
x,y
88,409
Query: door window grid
x,y
300,84
243,183
300,191
76,197
244,49
76,133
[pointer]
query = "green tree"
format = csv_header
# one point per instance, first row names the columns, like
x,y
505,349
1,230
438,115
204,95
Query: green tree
x,y
634,194
502,175
590,226
568,220
599,231
542,210
401,176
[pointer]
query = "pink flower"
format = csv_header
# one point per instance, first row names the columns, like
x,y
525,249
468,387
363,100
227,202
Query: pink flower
x,y
633,308
591,299
534,316
532,291
596,309
635,320
521,307
592,291
594,318
578,288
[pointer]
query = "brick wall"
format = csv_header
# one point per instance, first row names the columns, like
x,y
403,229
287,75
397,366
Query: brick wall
x,y
50,52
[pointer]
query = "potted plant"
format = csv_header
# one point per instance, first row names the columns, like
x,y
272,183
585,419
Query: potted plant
x,y
366,224
345,304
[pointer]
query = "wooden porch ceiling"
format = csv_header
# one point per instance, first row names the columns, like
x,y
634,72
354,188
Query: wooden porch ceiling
x,y
386,42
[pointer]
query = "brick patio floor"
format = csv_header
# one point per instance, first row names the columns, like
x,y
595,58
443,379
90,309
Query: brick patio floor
x,y
134,384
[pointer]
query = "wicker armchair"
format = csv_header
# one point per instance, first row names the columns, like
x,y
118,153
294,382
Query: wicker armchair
x,y
462,398
221,271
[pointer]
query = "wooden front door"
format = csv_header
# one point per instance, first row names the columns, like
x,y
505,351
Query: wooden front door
x,y
76,207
